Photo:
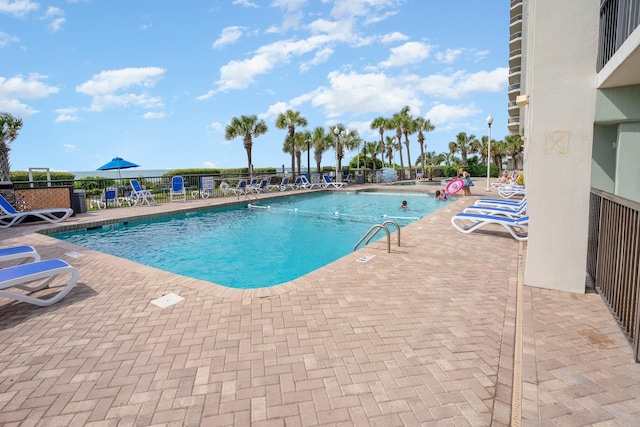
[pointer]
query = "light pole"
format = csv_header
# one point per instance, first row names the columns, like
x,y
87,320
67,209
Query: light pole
x,y
489,122
309,159
339,134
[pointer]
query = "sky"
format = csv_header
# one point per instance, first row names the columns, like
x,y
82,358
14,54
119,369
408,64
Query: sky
x,y
157,82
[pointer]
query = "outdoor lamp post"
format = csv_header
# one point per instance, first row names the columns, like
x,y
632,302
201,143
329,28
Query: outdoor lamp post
x,y
309,159
489,122
339,134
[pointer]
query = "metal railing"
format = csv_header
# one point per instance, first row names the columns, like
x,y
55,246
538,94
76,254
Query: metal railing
x,y
618,19
613,258
373,231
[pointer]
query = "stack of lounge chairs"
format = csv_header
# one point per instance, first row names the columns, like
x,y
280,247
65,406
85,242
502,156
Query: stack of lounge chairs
x,y
510,214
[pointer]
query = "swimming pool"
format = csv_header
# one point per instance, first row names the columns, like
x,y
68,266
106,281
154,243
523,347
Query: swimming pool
x,y
259,244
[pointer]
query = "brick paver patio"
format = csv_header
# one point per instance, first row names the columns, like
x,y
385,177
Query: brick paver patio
x,y
424,335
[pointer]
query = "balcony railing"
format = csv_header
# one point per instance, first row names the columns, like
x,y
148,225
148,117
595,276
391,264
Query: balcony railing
x,y
515,70
618,19
512,104
515,36
514,87
515,52
613,258
513,120
515,19
515,2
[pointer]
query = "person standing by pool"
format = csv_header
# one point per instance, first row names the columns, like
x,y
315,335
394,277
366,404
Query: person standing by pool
x,y
466,178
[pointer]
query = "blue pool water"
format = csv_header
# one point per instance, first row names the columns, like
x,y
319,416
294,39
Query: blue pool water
x,y
260,244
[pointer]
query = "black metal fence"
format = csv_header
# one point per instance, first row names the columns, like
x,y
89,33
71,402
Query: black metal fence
x,y
618,19
613,259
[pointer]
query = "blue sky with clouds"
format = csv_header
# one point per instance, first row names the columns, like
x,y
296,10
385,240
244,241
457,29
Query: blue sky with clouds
x,y
157,82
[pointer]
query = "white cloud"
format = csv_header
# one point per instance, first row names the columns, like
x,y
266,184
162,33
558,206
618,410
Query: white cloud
x,y
443,113
18,8
320,57
103,87
69,147
275,109
67,115
6,39
393,37
365,93
209,164
370,8
15,88
408,53
449,55
245,3
56,17
228,35
151,115
216,126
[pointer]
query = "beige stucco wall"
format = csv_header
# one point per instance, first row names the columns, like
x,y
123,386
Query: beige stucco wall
x,y
561,80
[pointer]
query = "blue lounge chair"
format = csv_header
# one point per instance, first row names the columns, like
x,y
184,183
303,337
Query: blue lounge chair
x,y
109,198
177,189
140,195
328,183
9,216
19,252
284,185
43,273
240,189
304,183
470,222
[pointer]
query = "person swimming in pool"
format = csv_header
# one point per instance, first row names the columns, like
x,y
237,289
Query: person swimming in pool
x,y
404,204
441,195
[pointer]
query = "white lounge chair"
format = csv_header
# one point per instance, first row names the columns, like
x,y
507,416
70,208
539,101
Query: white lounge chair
x,y
140,195
283,186
514,211
19,252
240,189
9,216
328,183
177,189
109,198
470,222
509,190
44,273
500,203
303,182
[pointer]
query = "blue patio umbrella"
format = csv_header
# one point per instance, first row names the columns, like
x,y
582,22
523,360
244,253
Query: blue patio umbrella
x,y
117,163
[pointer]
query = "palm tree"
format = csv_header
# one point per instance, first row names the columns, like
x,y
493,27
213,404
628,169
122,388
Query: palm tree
x,y
289,120
301,139
390,146
423,125
344,138
9,128
320,141
464,144
395,122
513,146
408,127
247,127
432,159
379,123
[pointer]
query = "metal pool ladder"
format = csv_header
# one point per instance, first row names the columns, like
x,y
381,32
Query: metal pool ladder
x,y
375,229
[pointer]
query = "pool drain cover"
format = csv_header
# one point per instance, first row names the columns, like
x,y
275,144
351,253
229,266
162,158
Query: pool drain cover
x,y
167,300
365,258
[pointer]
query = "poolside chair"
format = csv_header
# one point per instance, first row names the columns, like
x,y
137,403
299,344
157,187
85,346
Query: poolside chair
x,y
177,189
241,188
470,222
253,185
283,186
328,183
303,182
500,203
44,273
509,190
259,186
348,179
109,198
514,211
19,252
10,216
140,195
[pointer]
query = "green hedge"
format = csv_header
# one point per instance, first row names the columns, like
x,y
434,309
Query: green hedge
x,y
218,172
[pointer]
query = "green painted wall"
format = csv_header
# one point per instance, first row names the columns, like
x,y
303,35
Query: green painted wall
x,y
603,162
618,104
627,182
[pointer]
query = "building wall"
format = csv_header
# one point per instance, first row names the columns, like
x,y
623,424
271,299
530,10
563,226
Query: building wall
x,y
561,83
627,182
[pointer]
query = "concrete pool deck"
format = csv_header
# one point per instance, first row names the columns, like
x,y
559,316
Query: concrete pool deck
x,y
440,331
